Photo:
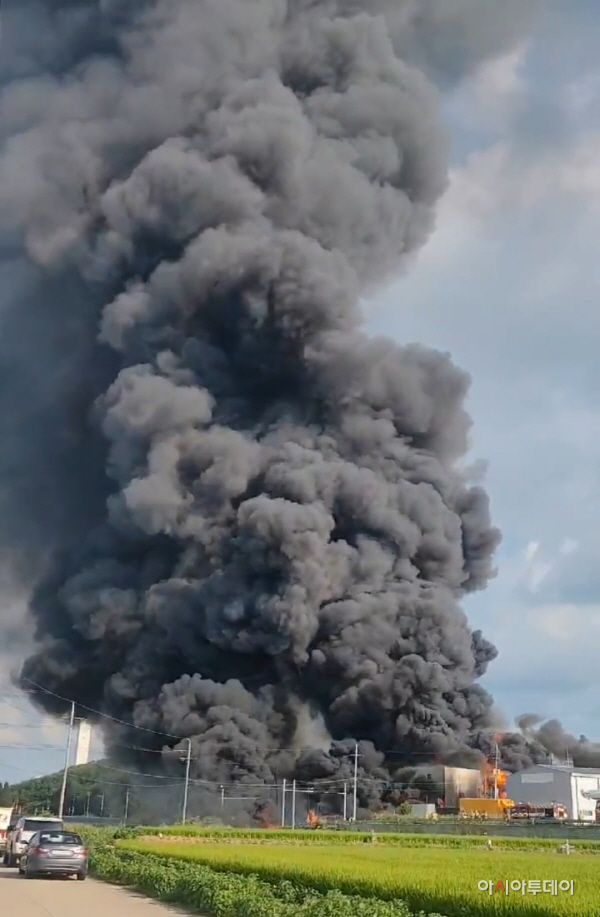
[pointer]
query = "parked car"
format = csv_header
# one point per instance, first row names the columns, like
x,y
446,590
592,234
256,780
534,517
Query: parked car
x,y
55,852
23,831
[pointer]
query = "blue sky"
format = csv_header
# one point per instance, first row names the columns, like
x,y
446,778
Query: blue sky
x,y
508,284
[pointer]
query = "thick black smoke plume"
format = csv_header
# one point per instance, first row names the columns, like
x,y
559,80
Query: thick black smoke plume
x,y
244,520
550,737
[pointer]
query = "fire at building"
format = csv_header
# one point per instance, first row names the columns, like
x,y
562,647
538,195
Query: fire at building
x,y
544,792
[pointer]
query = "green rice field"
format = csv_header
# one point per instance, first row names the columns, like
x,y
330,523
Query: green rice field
x,y
430,879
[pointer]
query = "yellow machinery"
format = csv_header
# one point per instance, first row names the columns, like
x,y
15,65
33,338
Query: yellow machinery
x,y
485,808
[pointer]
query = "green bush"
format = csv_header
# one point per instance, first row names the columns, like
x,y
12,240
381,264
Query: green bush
x,y
123,833
94,836
229,895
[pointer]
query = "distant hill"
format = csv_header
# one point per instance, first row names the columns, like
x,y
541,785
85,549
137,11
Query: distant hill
x,y
101,789
91,790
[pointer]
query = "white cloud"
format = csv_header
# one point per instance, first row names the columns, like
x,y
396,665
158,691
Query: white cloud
x,y
489,98
494,182
569,546
581,95
501,76
537,569
531,550
542,638
508,284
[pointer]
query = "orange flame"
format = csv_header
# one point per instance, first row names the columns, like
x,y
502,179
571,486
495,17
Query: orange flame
x,y
312,818
492,776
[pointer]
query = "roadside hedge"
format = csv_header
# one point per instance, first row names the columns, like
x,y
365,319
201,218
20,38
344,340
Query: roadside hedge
x,y
219,894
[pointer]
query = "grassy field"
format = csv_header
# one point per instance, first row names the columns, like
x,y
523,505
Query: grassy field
x,y
431,879
325,837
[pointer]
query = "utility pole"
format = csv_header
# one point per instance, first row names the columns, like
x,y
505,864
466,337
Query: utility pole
x,y
126,806
496,766
345,799
294,804
283,804
222,797
102,805
355,793
87,805
188,761
63,789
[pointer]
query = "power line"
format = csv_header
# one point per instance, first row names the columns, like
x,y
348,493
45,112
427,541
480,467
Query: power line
x,y
107,716
131,786
293,748
7,703
157,732
150,751
39,747
122,770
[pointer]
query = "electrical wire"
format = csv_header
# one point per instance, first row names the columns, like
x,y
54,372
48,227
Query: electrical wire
x,y
115,719
132,773
322,783
133,786
40,747
157,732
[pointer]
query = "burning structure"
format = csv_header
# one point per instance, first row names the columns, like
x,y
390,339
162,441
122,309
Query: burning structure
x,y
494,782
263,814
442,785
261,525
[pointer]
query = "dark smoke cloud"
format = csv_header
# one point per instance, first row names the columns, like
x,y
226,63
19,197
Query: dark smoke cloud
x,y
538,741
244,519
550,736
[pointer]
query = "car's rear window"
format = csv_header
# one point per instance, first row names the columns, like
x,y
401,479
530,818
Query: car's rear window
x,y
58,837
33,825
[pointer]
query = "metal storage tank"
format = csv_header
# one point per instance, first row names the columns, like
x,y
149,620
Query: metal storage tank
x,y
461,781
451,782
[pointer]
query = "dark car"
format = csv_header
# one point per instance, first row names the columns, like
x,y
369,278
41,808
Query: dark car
x,y
55,853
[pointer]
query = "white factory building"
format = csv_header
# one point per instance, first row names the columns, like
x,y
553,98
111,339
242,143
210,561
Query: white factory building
x,y
83,742
577,788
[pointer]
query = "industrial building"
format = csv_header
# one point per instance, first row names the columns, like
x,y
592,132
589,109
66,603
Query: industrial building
x,y
577,788
450,783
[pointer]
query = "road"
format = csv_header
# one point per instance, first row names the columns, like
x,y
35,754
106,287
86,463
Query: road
x,y
55,897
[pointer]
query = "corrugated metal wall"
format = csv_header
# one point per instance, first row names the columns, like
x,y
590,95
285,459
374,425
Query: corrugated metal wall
x,y
541,786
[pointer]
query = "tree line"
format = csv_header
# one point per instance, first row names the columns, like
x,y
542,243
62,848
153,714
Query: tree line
x,y
89,793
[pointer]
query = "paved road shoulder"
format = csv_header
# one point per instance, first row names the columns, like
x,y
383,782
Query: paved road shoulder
x,y
56,897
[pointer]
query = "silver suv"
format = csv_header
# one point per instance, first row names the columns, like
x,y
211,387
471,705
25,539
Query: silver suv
x,y
23,831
